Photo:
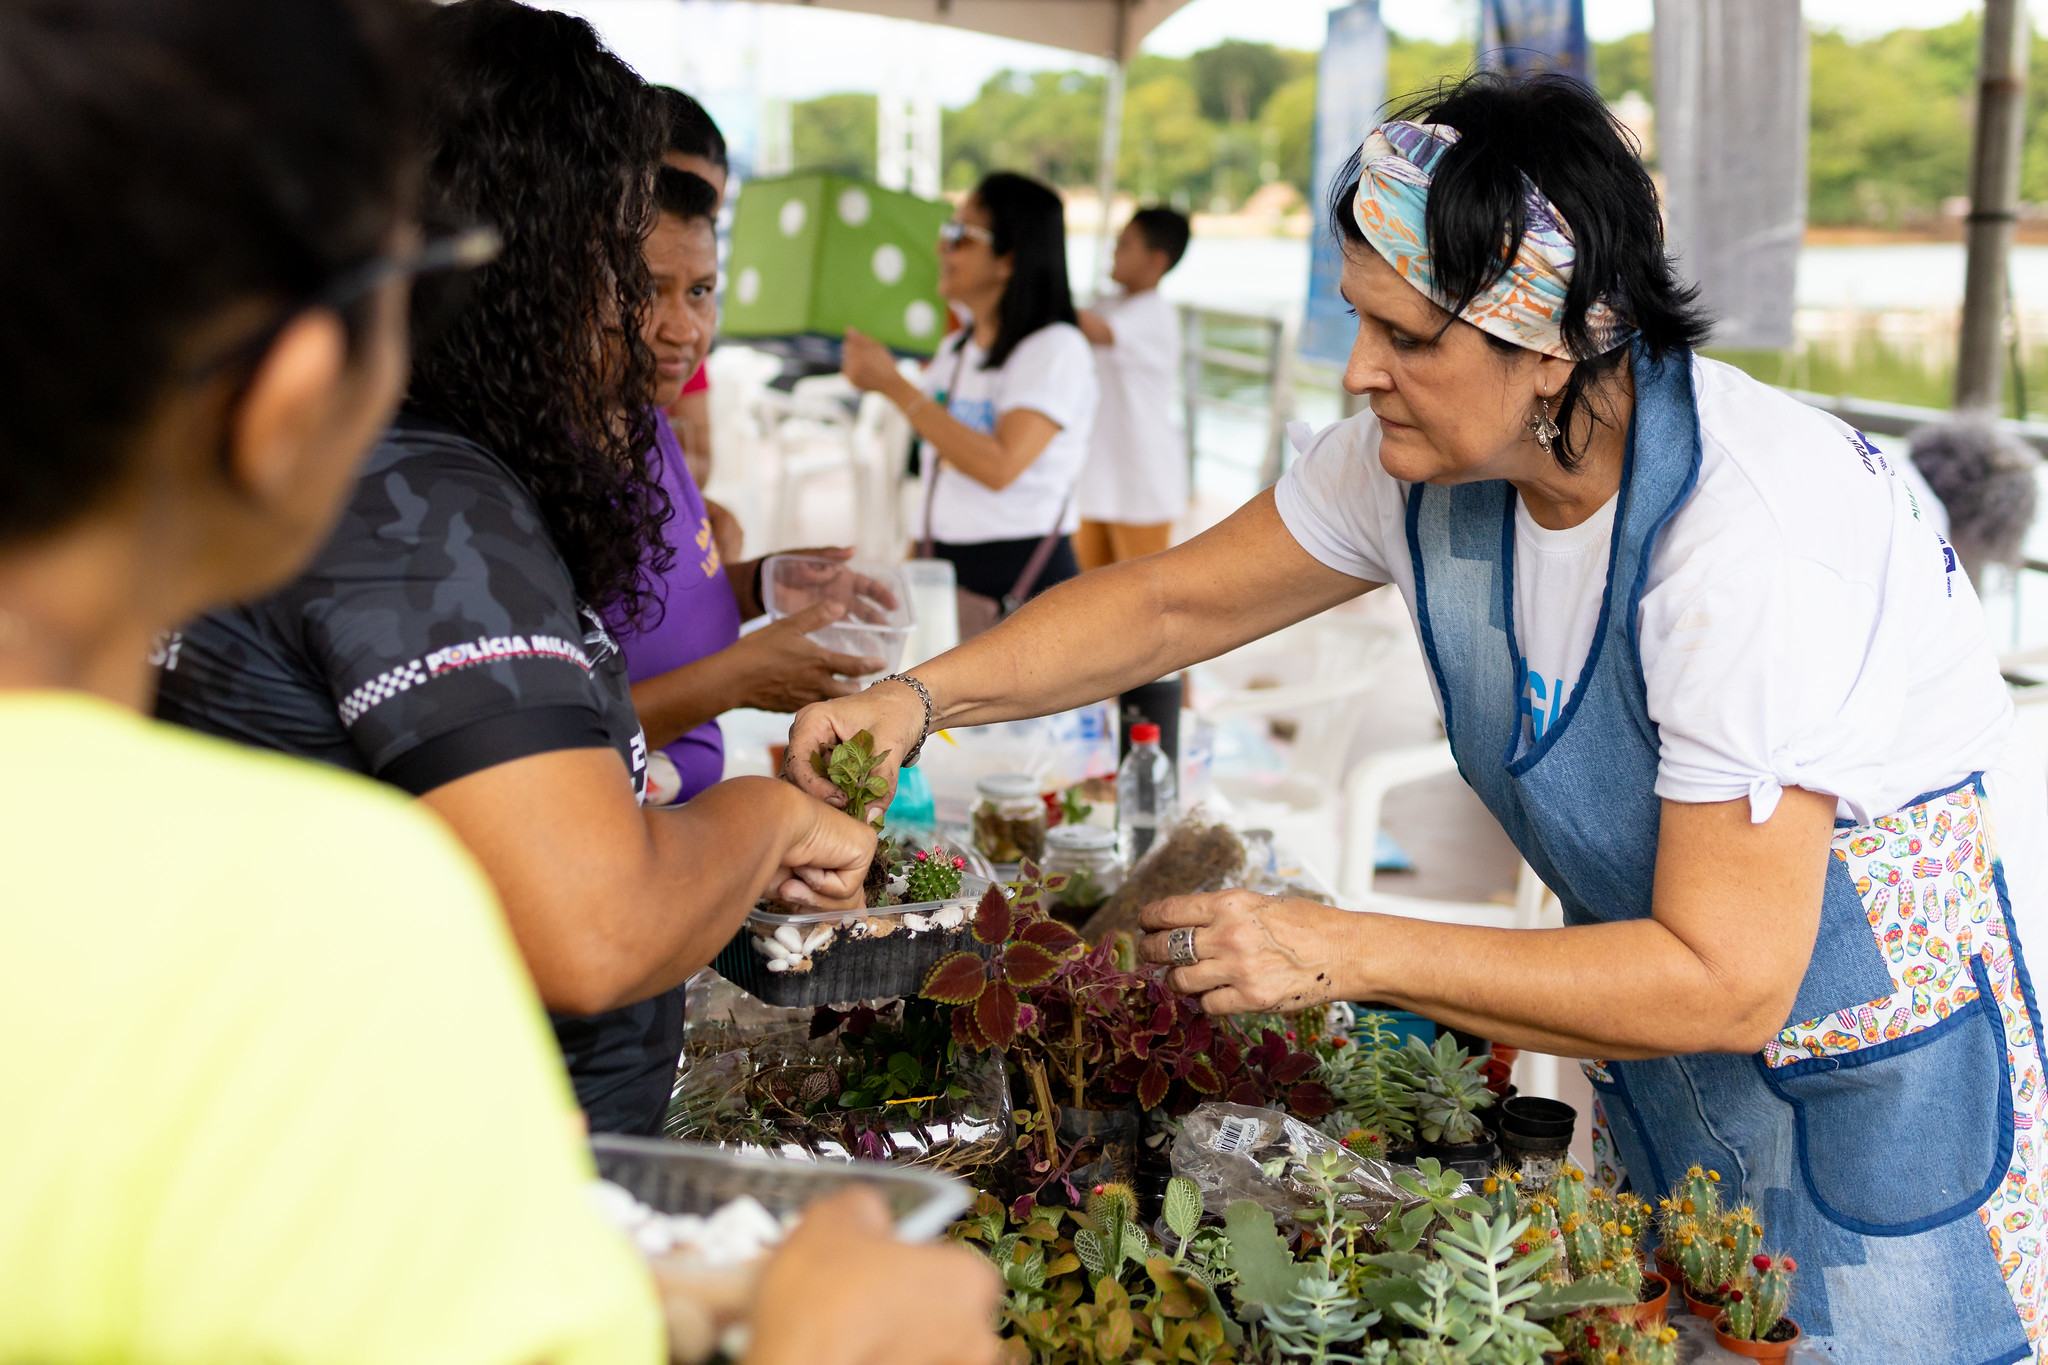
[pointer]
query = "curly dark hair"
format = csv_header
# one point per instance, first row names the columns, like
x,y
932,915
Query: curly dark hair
x,y
535,128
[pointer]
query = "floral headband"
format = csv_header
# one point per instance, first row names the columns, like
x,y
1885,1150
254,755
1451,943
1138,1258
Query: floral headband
x,y
1526,304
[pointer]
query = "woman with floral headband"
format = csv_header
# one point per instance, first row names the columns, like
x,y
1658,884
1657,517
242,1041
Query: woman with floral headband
x,y
1699,654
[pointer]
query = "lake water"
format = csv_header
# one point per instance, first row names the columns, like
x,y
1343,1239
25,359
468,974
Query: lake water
x,y
1270,274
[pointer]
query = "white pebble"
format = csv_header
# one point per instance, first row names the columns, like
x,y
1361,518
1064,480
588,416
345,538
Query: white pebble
x,y
778,964
950,917
916,924
818,938
741,1230
790,937
653,1237
767,947
618,1205
745,1224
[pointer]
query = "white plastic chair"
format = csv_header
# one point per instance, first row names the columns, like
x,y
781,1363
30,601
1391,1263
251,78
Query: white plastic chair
x,y
1535,907
811,430
739,447
1328,664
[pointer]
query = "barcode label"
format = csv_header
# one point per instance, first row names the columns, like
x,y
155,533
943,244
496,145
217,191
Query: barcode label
x,y
1236,1134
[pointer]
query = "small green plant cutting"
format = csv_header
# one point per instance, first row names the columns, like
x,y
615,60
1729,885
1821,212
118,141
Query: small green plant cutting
x,y
850,766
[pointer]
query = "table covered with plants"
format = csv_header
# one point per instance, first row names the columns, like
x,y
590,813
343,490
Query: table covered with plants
x,y
1153,1184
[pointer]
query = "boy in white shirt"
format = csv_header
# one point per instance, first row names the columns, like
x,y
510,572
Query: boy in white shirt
x,y
1135,483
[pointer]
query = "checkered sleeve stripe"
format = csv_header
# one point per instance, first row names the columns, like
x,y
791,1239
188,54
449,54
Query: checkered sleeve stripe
x,y
453,658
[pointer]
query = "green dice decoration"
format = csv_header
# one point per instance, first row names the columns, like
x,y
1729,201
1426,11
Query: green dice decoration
x,y
814,254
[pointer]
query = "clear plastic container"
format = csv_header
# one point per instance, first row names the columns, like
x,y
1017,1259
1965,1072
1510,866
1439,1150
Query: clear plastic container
x,y
1009,818
1088,856
830,957
879,617
689,1177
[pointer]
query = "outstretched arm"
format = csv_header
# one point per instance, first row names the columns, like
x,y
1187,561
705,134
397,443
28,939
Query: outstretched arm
x,y
1097,635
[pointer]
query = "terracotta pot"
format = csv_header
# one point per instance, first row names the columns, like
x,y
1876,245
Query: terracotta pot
x,y
1648,1314
1667,1267
1703,1308
1757,1350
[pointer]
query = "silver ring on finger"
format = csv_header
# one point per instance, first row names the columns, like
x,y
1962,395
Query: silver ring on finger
x,y
1180,948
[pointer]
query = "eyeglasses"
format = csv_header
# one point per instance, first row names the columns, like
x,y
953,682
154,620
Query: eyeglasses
x,y
953,232
458,251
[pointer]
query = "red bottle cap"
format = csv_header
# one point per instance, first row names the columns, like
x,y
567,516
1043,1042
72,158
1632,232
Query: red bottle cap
x,y
1144,732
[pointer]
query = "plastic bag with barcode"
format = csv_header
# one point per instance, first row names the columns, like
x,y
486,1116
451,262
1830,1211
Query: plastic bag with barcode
x,y
1227,1150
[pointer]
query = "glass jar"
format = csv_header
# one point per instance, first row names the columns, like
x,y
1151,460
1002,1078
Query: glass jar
x,y
1009,818
1087,855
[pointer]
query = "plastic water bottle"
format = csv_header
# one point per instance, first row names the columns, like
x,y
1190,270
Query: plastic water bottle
x,y
1147,797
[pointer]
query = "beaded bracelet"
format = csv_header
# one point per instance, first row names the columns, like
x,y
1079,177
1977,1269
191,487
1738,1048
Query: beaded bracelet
x,y
910,759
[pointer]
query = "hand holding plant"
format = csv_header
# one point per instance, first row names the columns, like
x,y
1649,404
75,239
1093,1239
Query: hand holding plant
x,y
850,766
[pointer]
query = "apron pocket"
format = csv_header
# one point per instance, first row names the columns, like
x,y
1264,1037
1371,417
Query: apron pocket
x,y
1902,1136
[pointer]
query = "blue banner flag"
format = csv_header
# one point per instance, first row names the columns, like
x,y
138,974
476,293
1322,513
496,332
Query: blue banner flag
x,y
1522,37
1351,82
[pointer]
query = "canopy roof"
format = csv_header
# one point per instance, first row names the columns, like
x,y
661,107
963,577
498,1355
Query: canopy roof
x,y
1100,28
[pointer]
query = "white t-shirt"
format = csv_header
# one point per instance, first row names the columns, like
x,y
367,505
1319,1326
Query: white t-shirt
x,y
1800,624
1137,471
1052,371
1559,577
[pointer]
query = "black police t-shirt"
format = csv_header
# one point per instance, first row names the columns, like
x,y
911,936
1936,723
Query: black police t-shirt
x,y
438,633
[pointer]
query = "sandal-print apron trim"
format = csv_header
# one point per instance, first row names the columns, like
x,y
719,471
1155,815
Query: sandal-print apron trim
x,y
1934,889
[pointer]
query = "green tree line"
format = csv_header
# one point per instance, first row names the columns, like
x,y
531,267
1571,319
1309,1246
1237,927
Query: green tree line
x,y
1889,138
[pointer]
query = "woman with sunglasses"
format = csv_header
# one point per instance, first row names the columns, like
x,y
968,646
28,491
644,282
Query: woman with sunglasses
x,y
1006,408
451,638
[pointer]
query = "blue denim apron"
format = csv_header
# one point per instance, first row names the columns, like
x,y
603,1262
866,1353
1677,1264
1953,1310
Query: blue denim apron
x,y
1875,1137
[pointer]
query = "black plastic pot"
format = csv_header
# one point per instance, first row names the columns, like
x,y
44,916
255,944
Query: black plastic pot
x,y
1115,1134
1150,1183
1531,1120
1473,1160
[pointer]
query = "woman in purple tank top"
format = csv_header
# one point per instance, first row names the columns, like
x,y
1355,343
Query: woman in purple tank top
x,y
686,657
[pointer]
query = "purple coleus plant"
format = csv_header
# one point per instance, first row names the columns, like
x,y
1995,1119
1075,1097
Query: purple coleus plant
x,y
987,993
1111,1032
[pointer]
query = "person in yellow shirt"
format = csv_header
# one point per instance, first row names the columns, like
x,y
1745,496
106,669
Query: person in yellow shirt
x,y
274,1084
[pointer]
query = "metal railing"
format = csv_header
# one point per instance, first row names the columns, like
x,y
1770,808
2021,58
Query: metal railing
x,y
1251,348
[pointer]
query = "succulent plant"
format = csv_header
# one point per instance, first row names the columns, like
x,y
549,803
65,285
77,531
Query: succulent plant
x,y
932,875
1372,1082
1450,1091
1759,1303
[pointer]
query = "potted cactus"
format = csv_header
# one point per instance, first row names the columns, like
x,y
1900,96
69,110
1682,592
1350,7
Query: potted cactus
x,y
1450,1090
1714,1257
1600,1233
1696,1199
1754,1322
1605,1337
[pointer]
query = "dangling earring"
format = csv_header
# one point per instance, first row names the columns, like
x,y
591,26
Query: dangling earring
x,y
1544,429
